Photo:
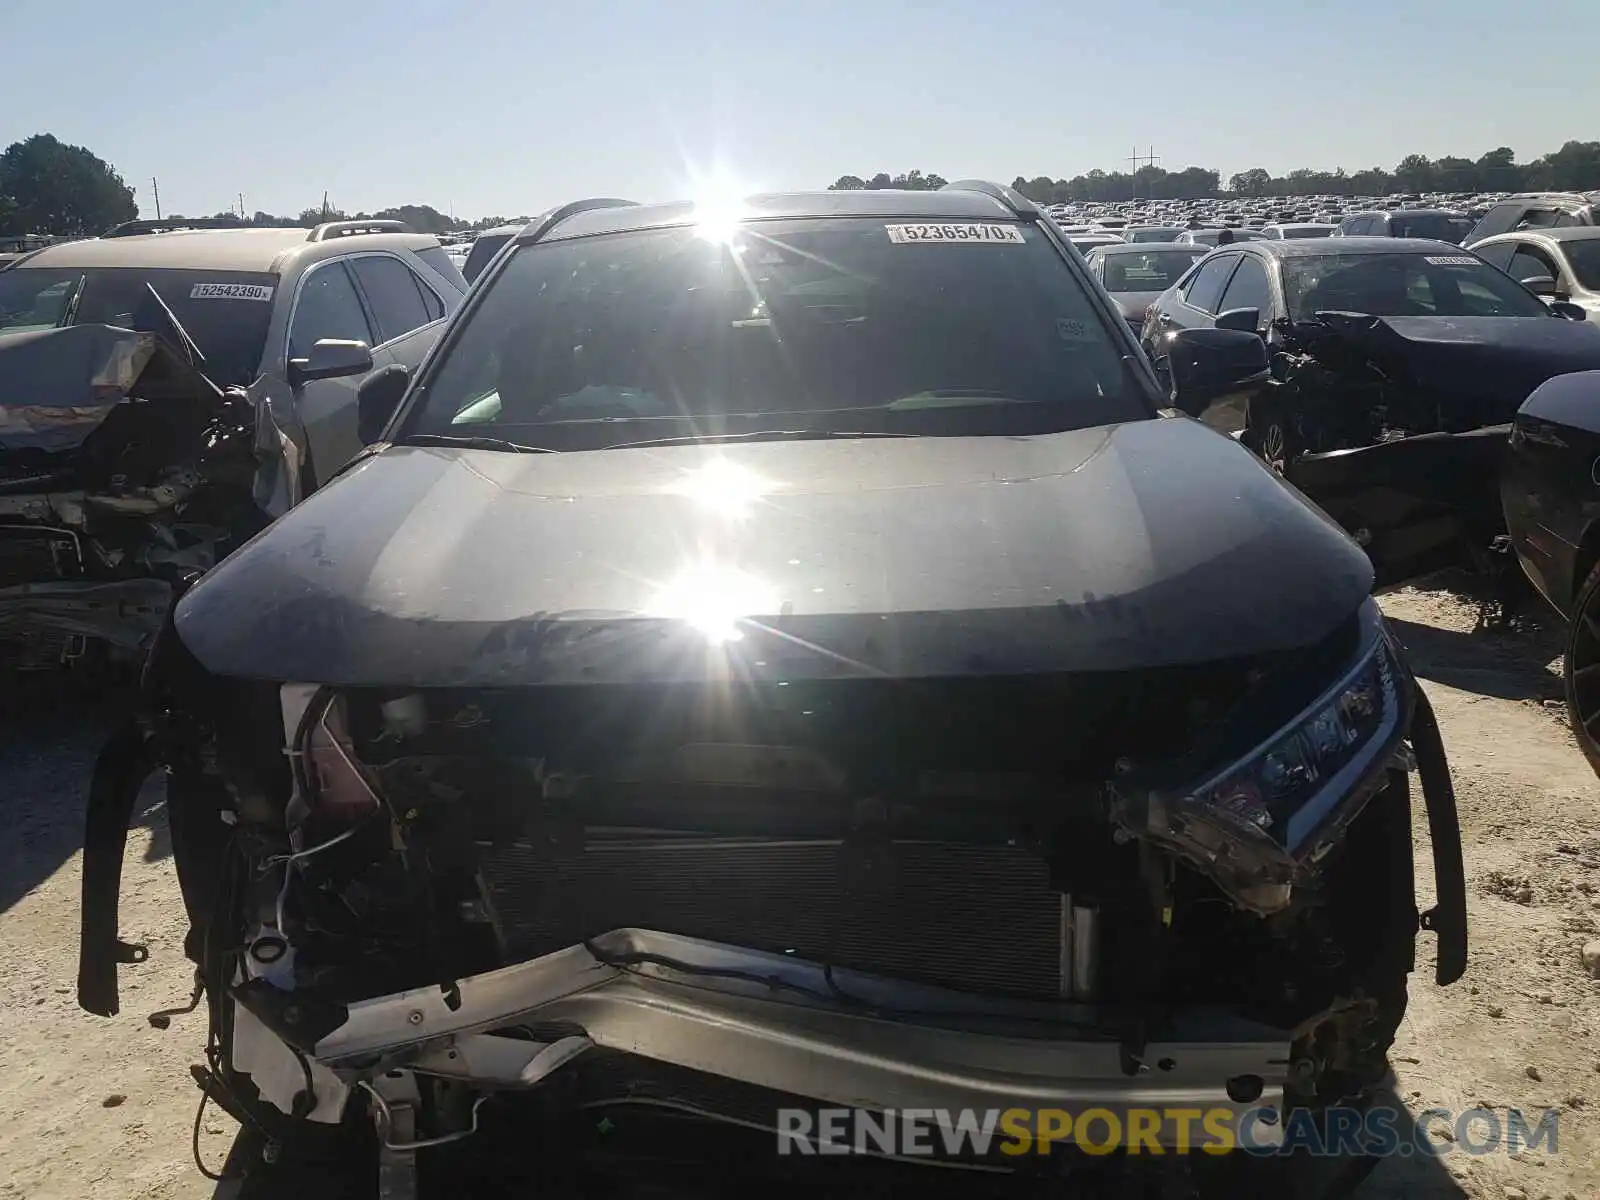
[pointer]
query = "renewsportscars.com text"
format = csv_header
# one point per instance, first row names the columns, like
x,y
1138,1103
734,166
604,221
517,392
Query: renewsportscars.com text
x,y
1380,1131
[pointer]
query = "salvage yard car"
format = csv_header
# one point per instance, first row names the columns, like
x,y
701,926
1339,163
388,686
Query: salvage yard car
x,y
1559,264
166,390
1397,365
770,655
1537,210
1550,490
1439,225
1135,275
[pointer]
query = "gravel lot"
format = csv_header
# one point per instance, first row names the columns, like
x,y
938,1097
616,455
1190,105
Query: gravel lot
x,y
108,1105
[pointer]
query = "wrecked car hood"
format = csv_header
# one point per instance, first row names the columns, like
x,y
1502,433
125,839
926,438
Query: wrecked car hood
x,y
1500,357
57,385
1142,544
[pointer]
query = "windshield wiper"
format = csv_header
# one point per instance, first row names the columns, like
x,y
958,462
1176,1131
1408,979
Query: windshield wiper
x,y
470,443
196,358
760,435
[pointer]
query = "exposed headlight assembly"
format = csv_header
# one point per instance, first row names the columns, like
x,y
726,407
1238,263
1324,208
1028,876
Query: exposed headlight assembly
x,y
1259,824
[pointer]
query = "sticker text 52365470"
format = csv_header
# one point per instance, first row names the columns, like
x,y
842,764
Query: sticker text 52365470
x,y
990,234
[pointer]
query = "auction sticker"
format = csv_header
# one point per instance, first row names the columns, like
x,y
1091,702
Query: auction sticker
x,y
1451,260
995,234
230,291
1071,329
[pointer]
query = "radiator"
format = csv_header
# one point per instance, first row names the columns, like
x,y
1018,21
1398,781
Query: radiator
x,y
974,917
30,554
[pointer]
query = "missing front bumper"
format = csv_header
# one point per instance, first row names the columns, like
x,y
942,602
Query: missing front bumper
x,y
773,1022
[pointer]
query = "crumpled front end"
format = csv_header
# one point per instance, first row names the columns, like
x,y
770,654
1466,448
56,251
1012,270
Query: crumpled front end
x,y
1143,892
121,469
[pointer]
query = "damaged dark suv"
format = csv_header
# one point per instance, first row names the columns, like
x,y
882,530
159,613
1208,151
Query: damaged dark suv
x,y
781,656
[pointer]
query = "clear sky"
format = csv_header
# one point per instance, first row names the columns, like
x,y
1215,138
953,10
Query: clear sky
x,y
499,106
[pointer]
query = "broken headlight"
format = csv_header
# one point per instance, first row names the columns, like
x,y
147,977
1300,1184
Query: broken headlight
x,y
1257,824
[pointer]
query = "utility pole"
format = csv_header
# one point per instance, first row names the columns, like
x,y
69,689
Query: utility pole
x,y
324,206
156,188
1148,160
241,206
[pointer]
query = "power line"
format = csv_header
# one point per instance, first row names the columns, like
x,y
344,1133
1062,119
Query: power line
x,y
1148,160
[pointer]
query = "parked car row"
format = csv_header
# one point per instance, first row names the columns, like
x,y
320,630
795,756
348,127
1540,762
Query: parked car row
x,y
1460,218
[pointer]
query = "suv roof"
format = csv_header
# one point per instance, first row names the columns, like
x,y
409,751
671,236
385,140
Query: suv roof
x,y
1304,247
243,249
1564,233
1404,212
952,203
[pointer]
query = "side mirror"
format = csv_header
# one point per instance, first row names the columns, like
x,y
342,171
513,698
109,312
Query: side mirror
x,y
1207,364
377,398
1539,285
1569,310
331,358
1245,320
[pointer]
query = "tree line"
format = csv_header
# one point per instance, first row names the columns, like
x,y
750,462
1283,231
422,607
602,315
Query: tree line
x,y
1574,167
47,186
424,218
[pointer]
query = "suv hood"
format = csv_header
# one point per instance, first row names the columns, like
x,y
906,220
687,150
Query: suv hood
x,y
1145,544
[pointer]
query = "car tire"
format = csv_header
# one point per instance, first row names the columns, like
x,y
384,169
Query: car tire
x,y
1580,669
1271,435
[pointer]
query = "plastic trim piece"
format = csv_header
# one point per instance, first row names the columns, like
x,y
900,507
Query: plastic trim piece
x,y
1014,200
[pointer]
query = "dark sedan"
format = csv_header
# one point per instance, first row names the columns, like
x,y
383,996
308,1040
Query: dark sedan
x,y
1551,492
1439,224
1376,341
484,247
1135,274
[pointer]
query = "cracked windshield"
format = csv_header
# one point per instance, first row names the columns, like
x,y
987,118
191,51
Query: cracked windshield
x,y
649,601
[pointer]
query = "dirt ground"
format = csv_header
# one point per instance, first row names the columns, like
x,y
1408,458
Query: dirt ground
x,y
105,1107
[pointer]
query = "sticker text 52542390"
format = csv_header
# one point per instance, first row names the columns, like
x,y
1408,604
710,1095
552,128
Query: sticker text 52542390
x,y
991,234
230,291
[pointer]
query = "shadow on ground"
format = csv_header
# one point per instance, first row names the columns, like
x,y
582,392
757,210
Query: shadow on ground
x,y
1517,661
1512,664
1324,1164
48,744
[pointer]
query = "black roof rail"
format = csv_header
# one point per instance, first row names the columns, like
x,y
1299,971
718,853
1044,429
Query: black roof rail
x,y
336,229
545,222
1019,204
172,225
